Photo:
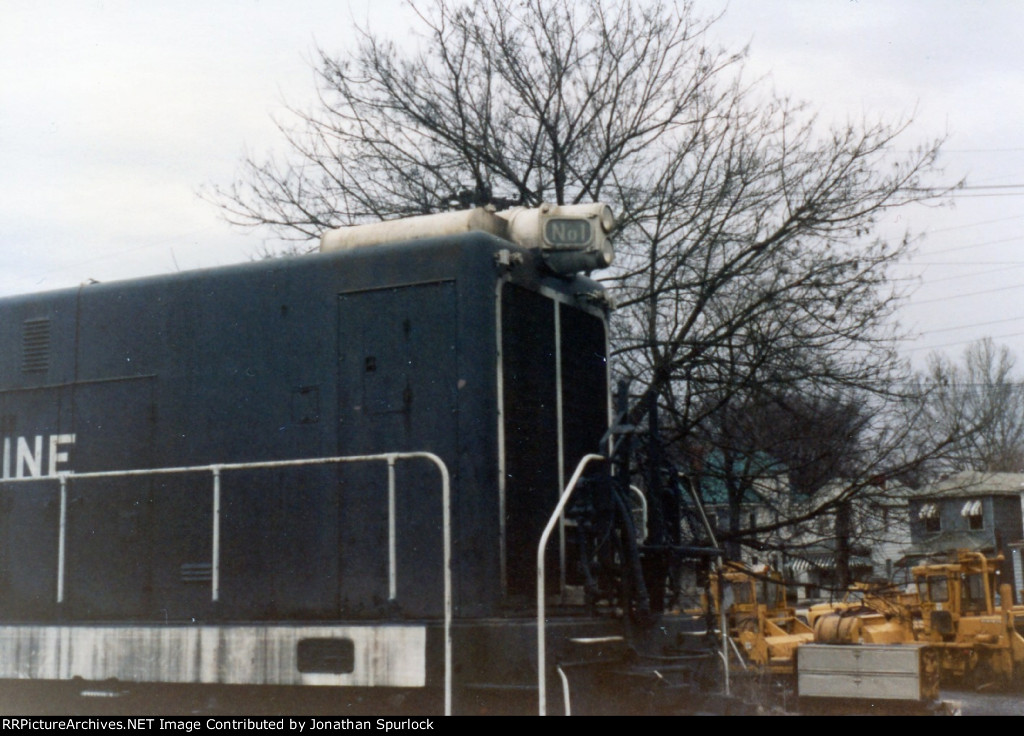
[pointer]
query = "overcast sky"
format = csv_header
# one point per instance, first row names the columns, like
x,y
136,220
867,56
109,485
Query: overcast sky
x,y
113,113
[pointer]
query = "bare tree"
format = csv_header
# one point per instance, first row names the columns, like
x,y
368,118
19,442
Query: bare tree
x,y
748,261
526,101
982,401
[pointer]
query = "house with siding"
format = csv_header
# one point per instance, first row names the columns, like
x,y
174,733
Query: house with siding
x,y
871,526
806,553
969,510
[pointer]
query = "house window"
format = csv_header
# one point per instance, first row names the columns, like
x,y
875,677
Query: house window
x,y
929,514
972,512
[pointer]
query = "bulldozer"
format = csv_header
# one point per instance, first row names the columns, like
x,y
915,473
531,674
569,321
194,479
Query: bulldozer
x,y
971,620
867,615
758,615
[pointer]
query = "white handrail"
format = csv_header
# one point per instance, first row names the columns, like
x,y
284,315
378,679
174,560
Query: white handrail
x,y
541,549
643,506
217,470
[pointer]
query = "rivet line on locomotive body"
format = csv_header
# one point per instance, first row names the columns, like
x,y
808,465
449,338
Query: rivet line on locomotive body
x,y
180,514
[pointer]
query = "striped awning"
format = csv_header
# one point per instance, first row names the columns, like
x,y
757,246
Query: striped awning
x,y
971,508
824,561
813,562
928,511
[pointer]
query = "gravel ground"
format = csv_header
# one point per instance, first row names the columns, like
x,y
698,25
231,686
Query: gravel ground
x,y
987,704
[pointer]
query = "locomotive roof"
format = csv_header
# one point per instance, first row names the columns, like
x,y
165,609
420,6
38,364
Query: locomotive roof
x,y
434,254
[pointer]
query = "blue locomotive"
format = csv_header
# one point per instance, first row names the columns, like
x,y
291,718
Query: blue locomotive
x,y
319,483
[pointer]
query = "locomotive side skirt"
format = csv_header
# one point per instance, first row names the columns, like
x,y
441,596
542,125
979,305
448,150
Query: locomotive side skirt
x,y
340,656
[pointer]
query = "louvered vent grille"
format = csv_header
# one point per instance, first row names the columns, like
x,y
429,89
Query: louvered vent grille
x,y
196,572
36,346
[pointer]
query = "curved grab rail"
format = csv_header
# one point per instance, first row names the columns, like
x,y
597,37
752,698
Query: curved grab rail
x,y
541,549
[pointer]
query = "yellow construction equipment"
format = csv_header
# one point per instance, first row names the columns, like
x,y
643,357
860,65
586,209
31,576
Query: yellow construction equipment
x,y
759,617
959,610
971,619
866,615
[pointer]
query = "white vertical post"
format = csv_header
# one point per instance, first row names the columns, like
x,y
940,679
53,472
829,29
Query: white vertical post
x,y
559,419
215,561
62,535
392,553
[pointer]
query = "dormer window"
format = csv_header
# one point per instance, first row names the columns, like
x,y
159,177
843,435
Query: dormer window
x,y
972,512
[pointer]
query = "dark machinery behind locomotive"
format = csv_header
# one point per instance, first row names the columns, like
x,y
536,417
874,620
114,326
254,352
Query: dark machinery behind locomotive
x,y
158,537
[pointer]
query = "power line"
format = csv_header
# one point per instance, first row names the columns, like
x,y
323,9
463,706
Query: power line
x,y
960,342
975,224
966,263
991,186
980,150
978,196
972,326
970,293
1005,267
975,245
